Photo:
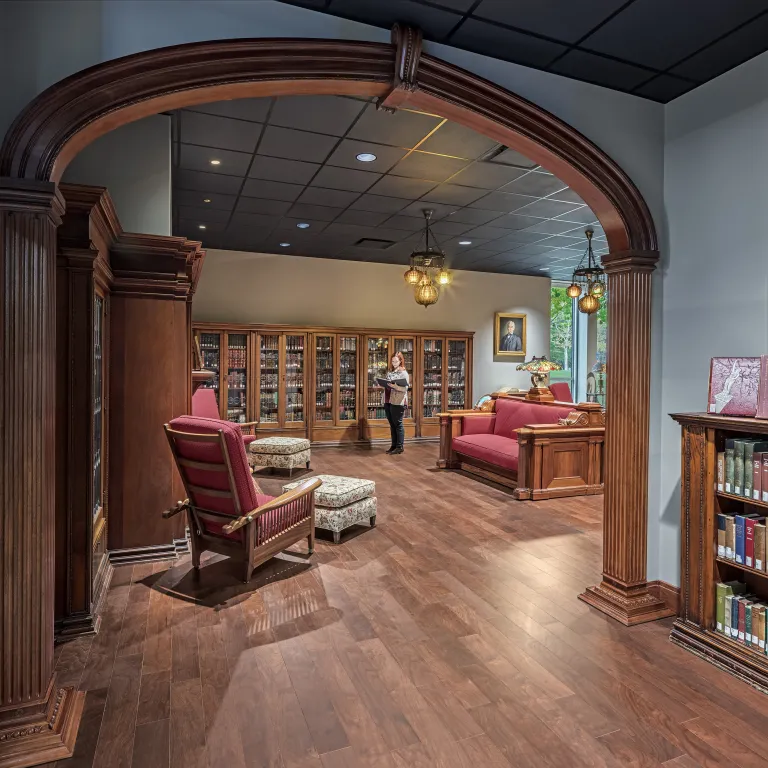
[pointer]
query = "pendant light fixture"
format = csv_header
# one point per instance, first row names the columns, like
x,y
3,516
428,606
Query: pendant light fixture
x,y
427,268
588,280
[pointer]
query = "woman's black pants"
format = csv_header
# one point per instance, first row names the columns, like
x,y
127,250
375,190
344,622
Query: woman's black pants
x,y
395,419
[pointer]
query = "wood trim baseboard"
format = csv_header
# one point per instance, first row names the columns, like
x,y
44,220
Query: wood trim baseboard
x,y
667,593
149,554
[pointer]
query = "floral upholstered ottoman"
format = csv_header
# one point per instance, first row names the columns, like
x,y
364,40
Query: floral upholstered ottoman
x,y
341,502
279,453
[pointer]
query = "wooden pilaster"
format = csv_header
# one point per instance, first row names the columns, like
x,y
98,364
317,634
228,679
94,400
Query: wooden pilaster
x,y
623,593
38,720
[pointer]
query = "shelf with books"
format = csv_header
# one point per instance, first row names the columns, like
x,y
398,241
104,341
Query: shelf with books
x,y
294,377
405,346
347,402
210,349
269,379
377,349
237,377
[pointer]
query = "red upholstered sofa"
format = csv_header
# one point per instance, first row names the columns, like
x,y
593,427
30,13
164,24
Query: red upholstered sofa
x,y
542,450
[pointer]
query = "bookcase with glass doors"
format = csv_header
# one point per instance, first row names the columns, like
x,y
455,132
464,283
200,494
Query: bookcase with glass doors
x,y
320,382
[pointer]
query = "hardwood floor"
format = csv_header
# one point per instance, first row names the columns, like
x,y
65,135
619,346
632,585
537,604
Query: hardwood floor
x,y
450,635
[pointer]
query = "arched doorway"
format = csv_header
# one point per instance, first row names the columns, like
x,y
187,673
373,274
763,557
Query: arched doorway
x,y
71,114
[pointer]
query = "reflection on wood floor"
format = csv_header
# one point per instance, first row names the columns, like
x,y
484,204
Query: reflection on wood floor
x,y
449,635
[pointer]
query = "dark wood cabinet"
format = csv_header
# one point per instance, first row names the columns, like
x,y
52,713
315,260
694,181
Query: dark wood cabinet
x,y
319,382
703,436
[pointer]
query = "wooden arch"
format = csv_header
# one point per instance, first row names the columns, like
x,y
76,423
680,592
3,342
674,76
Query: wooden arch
x,y
38,720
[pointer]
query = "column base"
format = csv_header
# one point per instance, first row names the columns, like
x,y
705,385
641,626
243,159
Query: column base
x,y
46,739
628,606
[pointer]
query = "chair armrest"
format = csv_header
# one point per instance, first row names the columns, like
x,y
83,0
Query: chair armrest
x,y
478,424
247,427
181,506
305,488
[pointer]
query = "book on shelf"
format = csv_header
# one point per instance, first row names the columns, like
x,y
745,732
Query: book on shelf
x,y
750,448
760,545
757,476
721,541
729,461
739,545
730,537
741,616
749,541
738,466
764,484
721,471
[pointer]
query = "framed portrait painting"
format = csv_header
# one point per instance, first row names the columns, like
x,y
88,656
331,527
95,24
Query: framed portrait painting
x,y
509,334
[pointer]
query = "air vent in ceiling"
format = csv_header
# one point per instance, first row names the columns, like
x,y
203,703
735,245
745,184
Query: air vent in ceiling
x,y
373,243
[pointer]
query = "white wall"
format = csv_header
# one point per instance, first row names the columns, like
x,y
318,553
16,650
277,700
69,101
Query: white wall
x,y
262,288
716,277
134,163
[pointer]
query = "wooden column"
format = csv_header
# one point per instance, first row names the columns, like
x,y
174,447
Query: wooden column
x,y
38,720
623,592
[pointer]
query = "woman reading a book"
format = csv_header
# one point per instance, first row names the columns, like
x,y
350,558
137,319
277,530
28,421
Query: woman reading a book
x,y
396,400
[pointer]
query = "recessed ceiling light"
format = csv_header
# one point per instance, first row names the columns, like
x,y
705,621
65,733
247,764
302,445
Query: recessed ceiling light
x,y
207,200
284,245
465,242
215,162
303,225
201,226
366,157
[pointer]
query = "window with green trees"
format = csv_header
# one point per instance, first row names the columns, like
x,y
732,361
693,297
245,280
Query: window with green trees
x,y
561,338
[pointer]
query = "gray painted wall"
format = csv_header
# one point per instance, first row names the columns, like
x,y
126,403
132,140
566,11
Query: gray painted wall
x,y
134,163
716,276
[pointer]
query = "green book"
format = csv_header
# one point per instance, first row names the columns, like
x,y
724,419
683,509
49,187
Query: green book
x,y
729,465
725,592
748,623
738,467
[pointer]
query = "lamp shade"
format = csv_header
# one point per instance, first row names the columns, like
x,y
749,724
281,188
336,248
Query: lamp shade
x,y
412,276
589,304
573,291
427,293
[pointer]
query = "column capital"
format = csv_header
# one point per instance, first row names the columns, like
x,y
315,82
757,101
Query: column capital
x,y
630,261
30,196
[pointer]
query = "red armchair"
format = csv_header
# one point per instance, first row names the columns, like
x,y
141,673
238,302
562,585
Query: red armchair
x,y
226,511
541,450
561,391
204,405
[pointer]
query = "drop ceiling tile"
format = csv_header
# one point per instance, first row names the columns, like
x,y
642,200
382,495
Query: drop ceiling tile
x,y
379,203
278,169
567,195
567,21
363,218
344,178
516,238
439,211
476,216
194,158
271,190
513,221
600,70
658,33
453,194
401,129
546,208
220,132
456,140
497,42
407,223
565,241
325,114
664,88
578,216
191,228
337,198
448,226
190,197
204,215
421,165
435,22
531,250
255,110
552,227
487,175
266,207
345,156
502,201
291,223
512,157
487,232
400,186
296,145
729,52
246,221
206,182
314,212
535,184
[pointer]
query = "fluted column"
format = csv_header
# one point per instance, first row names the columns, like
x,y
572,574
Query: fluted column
x,y
38,721
623,592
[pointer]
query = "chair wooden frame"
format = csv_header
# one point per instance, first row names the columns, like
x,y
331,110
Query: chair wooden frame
x,y
295,511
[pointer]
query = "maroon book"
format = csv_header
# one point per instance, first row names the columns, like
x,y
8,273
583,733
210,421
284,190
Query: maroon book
x,y
733,385
764,490
742,619
762,391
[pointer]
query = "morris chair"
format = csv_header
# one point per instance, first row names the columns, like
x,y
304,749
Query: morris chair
x,y
204,405
226,511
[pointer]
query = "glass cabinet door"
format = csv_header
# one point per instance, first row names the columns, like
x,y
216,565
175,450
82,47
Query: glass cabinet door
x,y
457,376
294,378
98,411
432,386
210,348
269,382
237,369
378,360
347,378
324,378
406,347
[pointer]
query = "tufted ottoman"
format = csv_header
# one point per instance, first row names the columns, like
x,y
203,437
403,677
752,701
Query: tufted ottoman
x,y
279,452
341,502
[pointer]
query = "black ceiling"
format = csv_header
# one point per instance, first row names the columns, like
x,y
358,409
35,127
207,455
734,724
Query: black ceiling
x,y
293,160
658,49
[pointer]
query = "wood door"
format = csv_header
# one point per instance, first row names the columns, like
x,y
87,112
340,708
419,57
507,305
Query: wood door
x,y
456,375
347,380
269,394
235,396
210,349
293,351
377,359
324,401
433,363
99,427
407,345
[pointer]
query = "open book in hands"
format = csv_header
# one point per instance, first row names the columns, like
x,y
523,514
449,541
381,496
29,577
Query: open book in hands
x,y
398,385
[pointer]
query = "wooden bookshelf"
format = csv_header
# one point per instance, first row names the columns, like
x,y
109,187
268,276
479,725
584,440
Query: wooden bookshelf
x,y
318,382
704,435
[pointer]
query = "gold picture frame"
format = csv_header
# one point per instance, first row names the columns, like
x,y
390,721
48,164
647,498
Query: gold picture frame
x,y
512,348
